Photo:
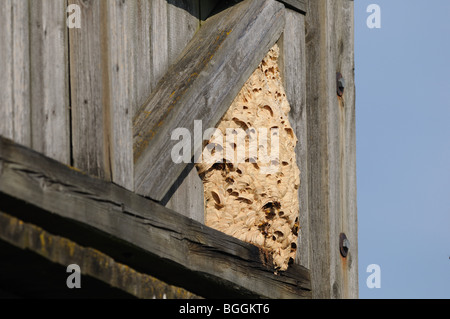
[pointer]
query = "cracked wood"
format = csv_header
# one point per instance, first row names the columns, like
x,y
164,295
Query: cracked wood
x,y
138,232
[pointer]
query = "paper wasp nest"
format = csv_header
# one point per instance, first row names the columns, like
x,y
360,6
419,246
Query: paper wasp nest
x,y
248,195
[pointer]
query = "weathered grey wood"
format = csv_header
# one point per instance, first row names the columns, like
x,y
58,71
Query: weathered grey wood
x,y
188,197
201,85
293,69
182,23
142,56
159,41
298,5
121,81
121,224
92,263
14,71
49,83
331,148
89,84
6,73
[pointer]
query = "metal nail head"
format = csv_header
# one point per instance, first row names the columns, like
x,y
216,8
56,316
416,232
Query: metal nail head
x,y
340,84
344,245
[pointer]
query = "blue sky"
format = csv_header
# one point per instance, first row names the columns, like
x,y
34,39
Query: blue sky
x,y
403,147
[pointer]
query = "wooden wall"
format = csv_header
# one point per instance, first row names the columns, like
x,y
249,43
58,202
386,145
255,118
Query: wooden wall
x,y
34,93
72,93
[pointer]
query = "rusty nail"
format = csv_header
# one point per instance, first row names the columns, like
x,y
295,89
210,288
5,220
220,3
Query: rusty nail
x,y
340,83
344,245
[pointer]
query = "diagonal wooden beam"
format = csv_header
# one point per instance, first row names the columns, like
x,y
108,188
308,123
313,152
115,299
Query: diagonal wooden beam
x,y
136,231
201,86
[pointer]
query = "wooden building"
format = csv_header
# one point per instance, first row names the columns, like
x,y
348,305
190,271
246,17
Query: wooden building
x,y
86,176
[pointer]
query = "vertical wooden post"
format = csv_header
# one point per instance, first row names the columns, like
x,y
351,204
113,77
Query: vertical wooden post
x,y
103,98
89,91
182,23
34,96
50,128
293,70
120,66
331,148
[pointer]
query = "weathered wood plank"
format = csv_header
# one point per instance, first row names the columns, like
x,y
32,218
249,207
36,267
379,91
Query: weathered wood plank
x,y
331,148
121,81
187,197
92,262
201,85
49,83
142,70
14,72
132,229
90,90
342,147
6,72
298,5
293,69
159,41
182,23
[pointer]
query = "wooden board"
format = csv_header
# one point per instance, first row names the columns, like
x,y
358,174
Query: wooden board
x,y
119,63
34,97
293,71
136,231
89,85
103,89
331,148
183,20
92,263
201,85
182,23
50,116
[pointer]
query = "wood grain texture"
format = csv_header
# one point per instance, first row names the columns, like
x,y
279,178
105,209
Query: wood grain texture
x,y
92,262
159,40
182,23
142,56
89,90
293,70
49,81
14,71
187,197
331,148
201,85
168,36
132,229
121,81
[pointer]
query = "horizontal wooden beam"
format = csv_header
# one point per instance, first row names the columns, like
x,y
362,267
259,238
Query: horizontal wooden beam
x,y
138,232
38,251
297,5
201,86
